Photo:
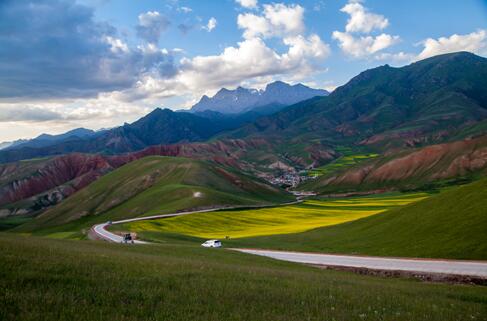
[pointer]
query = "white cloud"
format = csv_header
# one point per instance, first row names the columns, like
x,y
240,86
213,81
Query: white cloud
x,y
363,46
117,46
399,57
249,4
361,20
251,59
211,24
278,20
475,42
364,22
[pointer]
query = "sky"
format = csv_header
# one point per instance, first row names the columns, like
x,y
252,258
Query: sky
x,y
96,64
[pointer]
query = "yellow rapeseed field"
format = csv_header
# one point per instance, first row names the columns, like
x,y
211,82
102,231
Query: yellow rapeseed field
x,y
276,220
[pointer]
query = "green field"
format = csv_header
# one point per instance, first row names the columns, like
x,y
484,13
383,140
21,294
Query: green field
x,y
275,220
349,158
452,224
153,185
46,279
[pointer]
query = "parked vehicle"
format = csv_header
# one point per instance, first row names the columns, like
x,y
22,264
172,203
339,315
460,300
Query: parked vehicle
x,y
127,238
212,243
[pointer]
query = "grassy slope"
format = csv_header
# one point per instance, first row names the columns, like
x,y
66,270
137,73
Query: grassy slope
x,y
348,159
452,224
154,185
270,221
45,279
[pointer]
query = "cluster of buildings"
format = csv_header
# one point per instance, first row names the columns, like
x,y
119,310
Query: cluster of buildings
x,y
290,179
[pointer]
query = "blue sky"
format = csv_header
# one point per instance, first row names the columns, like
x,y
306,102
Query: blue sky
x,y
98,63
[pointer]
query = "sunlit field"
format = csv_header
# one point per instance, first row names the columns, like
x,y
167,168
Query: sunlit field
x,y
348,159
276,220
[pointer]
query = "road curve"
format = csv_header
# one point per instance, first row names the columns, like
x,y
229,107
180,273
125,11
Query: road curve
x,y
452,267
100,231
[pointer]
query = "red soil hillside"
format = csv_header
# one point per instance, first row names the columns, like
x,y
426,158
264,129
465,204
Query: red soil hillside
x,y
411,169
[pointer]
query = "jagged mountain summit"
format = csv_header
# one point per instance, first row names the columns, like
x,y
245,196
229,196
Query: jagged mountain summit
x,y
242,99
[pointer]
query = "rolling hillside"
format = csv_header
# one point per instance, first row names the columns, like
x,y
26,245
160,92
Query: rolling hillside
x,y
154,185
421,168
451,224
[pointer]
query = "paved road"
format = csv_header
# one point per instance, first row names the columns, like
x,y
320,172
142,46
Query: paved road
x,y
101,232
466,268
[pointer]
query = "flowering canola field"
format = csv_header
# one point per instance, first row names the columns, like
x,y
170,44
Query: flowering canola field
x,y
276,220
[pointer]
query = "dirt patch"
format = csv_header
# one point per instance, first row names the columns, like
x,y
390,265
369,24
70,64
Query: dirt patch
x,y
423,276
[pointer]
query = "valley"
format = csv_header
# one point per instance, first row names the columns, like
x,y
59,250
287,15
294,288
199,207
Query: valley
x,y
392,164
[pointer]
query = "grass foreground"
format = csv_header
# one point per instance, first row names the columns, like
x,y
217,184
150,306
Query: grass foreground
x,y
46,279
274,220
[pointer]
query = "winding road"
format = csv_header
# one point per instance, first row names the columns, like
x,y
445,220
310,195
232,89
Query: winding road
x,y
453,267
448,267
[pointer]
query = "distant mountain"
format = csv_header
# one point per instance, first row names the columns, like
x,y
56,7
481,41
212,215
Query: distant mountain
x,y
44,140
6,145
439,99
240,100
161,126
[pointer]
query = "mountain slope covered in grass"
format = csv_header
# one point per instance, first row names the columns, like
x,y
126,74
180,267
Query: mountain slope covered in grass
x,y
157,185
428,101
452,224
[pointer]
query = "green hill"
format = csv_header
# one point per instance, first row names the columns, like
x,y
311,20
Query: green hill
x,y
156,185
452,224
429,101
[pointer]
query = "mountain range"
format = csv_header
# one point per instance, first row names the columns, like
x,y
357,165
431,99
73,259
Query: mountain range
x,y
164,126
242,100
426,122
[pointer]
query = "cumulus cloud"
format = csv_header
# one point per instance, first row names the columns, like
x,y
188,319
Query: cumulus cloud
x,y
277,20
364,45
250,4
211,24
151,25
361,20
475,42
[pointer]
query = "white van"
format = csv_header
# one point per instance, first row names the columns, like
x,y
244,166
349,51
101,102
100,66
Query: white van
x,y
212,243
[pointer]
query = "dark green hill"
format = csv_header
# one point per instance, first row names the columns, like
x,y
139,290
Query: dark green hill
x,y
161,126
452,224
156,185
427,101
